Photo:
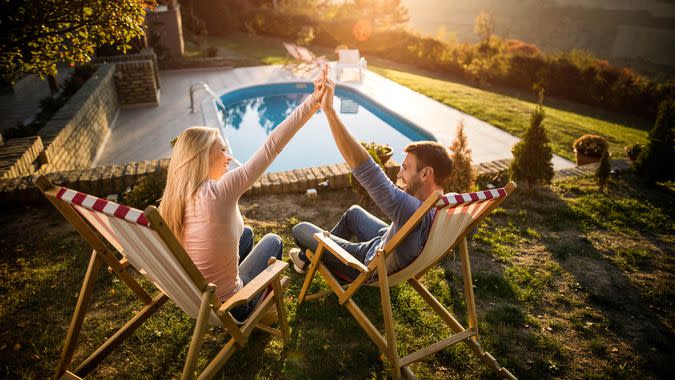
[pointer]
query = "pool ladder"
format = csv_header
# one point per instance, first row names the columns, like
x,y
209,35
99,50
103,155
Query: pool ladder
x,y
202,86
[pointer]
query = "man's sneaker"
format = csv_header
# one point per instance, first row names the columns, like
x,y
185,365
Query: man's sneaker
x,y
299,264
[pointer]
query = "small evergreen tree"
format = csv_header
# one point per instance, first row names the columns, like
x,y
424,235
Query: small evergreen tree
x,y
602,173
462,176
532,155
655,161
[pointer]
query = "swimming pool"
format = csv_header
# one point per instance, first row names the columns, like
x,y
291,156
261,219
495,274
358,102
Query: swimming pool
x,y
251,113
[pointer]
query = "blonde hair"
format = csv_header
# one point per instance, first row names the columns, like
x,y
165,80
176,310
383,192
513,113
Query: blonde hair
x,y
188,169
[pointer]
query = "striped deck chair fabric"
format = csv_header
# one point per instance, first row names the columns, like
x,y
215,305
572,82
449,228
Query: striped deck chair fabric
x,y
129,231
456,215
158,255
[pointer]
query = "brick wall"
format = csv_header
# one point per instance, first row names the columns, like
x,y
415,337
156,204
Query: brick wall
x,y
115,179
166,24
18,157
73,136
135,82
146,54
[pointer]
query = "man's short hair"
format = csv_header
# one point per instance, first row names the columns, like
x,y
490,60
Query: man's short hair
x,y
431,153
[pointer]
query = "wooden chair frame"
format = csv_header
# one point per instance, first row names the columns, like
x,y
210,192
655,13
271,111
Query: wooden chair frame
x,y
101,254
387,343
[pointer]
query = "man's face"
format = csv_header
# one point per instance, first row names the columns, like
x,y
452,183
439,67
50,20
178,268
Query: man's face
x,y
409,176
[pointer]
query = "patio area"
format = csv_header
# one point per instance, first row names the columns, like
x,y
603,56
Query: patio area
x,y
143,133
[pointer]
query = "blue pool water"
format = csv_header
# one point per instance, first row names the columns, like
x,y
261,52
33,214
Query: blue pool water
x,y
251,113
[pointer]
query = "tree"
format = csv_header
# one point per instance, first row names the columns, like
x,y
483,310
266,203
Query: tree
x,y
36,34
462,176
532,155
484,26
383,13
655,161
603,171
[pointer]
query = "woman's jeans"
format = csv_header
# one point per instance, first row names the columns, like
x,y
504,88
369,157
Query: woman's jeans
x,y
355,223
252,261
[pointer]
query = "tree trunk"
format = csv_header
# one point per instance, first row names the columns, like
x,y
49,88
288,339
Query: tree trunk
x,y
53,86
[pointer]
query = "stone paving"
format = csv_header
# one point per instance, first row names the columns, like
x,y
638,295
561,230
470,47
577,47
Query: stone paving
x,y
24,103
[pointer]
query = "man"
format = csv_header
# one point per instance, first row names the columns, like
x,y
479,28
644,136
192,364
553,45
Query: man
x,y
425,169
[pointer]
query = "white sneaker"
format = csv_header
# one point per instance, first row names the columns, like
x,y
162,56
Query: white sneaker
x,y
298,264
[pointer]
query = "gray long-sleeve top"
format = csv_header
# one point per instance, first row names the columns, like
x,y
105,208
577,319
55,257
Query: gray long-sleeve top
x,y
399,207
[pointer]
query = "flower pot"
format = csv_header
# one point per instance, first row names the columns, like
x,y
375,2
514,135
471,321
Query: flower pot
x,y
583,159
386,156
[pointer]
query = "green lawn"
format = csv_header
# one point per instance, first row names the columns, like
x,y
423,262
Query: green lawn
x,y
569,283
513,114
506,109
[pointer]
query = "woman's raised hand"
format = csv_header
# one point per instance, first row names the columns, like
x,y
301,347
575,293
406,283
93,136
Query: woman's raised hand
x,y
320,84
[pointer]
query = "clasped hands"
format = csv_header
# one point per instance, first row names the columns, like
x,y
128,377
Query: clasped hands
x,y
324,89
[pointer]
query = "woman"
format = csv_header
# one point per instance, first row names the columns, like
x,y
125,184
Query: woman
x,y
200,201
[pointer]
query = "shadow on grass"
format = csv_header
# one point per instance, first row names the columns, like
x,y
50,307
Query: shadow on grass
x,y
607,286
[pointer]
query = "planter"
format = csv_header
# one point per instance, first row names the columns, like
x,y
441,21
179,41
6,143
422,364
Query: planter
x,y
583,159
385,157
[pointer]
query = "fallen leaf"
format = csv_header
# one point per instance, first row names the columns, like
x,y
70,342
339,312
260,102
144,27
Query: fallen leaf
x,y
17,347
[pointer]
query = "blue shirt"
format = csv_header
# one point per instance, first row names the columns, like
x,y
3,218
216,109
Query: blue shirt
x,y
399,206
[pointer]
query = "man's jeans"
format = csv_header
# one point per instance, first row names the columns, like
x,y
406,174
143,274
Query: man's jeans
x,y
355,223
252,261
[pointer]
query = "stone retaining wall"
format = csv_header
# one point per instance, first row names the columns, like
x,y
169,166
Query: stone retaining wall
x,y
182,63
19,157
135,82
74,134
146,54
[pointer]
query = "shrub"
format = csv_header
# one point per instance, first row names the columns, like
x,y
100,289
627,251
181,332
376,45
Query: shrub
x,y
305,35
532,155
381,150
211,52
146,191
373,150
590,145
603,171
462,176
655,162
518,47
632,150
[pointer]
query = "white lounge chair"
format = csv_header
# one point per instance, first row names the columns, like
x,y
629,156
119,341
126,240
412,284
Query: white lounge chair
x,y
350,59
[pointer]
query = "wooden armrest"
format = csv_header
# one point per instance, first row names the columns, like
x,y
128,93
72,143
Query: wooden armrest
x,y
337,251
258,284
411,223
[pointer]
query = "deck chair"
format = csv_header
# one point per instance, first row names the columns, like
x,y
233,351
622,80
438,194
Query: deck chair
x,y
146,243
296,64
350,59
308,57
456,216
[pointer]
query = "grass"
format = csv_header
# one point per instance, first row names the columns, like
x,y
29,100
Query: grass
x,y
512,114
555,300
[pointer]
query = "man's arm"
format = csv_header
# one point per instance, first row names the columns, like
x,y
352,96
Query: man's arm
x,y
352,151
394,202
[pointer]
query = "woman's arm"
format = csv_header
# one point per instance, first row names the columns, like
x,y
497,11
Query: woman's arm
x,y
237,181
